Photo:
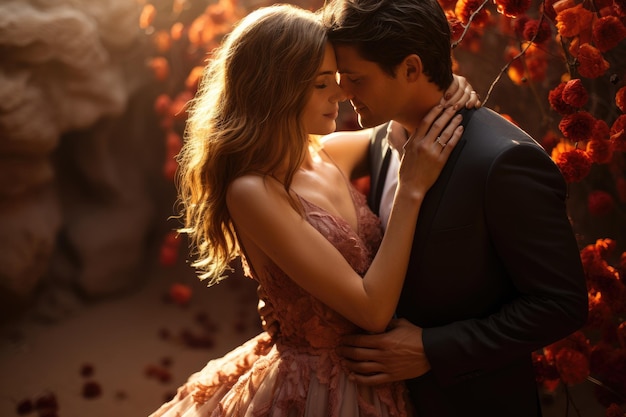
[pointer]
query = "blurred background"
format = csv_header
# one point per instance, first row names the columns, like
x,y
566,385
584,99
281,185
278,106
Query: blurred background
x,y
100,313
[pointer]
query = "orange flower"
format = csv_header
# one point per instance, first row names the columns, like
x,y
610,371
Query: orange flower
x,y
618,140
456,27
519,23
600,203
608,31
180,293
160,68
162,104
555,97
572,365
148,13
620,99
163,41
193,78
544,368
618,134
561,147
574,93
591,63
465,8
600,151
614,410
574,165
572,21
599,312
538,33
512,8
578,126
618,124
576,341
177,30
516,71
601,130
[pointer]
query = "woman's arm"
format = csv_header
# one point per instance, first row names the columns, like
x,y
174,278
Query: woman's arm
x,y
262,212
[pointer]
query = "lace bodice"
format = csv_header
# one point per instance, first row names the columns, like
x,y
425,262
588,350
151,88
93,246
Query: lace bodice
x,y
305,322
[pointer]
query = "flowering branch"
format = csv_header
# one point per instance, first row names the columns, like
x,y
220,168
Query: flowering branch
x,y
467,25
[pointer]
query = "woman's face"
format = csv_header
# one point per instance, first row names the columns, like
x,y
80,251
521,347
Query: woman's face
x,y
322,109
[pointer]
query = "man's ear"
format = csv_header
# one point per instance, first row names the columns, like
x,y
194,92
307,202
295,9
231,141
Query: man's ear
x,y
412,67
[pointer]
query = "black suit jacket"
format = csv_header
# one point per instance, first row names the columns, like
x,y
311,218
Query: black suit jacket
x,y
494,274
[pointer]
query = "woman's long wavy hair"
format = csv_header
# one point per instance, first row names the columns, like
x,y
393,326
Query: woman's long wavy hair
x,y
245,119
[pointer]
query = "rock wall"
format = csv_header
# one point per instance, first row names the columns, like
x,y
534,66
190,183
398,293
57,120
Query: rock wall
x,y
77,166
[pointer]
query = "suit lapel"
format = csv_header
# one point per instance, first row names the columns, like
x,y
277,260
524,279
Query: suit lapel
x,y
433,197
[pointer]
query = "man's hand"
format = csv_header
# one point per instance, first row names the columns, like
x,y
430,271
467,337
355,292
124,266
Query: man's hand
x,y
266,312
396,355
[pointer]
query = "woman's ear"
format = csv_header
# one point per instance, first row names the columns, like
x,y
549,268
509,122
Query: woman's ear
x,y
412,67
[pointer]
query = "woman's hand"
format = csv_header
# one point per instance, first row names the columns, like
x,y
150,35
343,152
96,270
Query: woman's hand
x,y
428,148
460,93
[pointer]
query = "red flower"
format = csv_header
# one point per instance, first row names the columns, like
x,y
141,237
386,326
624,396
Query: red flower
x,y
555,97
599,312
608,32
572,365
618,140
168,255
536,63
577,127
600,358
620,7
591,63
512,8
620,99
600,203
160,68
180,293
574,165
544,368
571,21
456,27
601,130
618,124
519,23
465,8
574,93
540,33
600,151
614,410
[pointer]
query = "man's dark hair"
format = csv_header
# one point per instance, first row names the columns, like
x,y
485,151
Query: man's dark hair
x,y
387,31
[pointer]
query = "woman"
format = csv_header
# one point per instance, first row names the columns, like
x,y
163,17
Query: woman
x,y
255,184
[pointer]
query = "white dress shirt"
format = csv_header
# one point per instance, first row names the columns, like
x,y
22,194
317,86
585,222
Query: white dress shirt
x,y
397,136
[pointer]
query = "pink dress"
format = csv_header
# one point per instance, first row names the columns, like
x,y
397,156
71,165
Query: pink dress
x,y
300,374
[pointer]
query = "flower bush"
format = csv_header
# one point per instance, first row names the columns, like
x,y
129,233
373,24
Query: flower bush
x,y
566,55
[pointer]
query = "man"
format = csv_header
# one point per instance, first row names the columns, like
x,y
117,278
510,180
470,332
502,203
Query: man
x,y
495,271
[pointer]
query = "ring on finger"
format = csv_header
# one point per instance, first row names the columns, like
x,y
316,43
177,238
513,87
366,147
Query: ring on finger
x,y
439,141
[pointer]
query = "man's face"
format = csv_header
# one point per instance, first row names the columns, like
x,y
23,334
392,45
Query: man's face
x,y
374,94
